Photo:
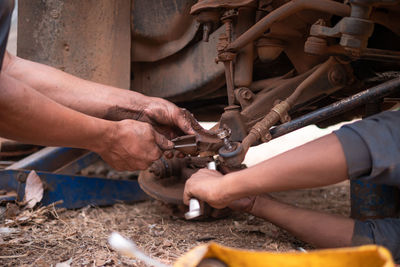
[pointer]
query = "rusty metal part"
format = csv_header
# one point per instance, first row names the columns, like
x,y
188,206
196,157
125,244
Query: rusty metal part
x,y
244,96
284,11
165,168
319,46
231,155
224,135
268,49
232,119
203,141
322,114
354,30
165,179
283,87
190,74
186,144
12,149
168,167
244,61
209,19
227,57
207,28
279,112
203,5
289,33
296,90
169,190
90,39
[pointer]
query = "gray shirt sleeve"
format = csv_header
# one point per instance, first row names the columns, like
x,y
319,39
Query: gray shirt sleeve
x,y
372,148
383,232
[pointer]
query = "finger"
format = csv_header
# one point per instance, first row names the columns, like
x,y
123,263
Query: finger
x,y
208,172
153,155
186,195
163,142
185,120
169,154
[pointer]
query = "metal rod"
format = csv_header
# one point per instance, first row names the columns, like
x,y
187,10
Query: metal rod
x,y
285,11
337,108
229,82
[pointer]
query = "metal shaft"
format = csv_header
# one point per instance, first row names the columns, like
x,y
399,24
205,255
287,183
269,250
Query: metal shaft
x,y
339,107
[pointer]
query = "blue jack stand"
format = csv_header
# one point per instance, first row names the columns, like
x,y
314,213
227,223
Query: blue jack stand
x,y
57,168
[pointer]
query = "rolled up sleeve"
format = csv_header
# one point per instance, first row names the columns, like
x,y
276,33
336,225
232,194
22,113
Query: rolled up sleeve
x,y
372,148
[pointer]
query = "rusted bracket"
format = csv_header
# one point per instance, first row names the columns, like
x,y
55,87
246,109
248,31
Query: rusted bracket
x,y
204,5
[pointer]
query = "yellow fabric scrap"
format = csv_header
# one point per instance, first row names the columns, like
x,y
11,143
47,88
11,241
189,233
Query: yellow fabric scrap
x,y
369,255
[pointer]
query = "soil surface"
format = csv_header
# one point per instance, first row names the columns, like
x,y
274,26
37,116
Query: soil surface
x,y
79,237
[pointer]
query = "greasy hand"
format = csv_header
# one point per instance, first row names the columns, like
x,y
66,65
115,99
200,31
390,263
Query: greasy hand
x,y
167,118
206,185
133,145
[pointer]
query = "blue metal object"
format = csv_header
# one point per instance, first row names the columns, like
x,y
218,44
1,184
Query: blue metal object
x,y
79,164
75,191
48,159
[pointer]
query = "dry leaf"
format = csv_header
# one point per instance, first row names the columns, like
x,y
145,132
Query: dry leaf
x,y
33,189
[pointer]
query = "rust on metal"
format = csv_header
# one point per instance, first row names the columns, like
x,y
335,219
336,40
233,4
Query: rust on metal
x,y
228,4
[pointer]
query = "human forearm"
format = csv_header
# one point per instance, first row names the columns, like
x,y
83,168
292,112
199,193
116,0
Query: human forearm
x,y
85,96
317,163
100,100
28,116
317,228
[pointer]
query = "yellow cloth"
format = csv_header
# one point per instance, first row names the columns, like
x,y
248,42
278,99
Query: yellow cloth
x,y
369,255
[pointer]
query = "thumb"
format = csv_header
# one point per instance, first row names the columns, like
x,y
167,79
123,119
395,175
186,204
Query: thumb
x,y
163,142
186,196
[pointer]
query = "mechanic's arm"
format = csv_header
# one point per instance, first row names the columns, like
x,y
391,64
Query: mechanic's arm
x,y
320,229
317,163
95,99
28,116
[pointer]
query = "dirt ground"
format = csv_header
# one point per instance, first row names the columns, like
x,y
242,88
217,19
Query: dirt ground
x,y
80,236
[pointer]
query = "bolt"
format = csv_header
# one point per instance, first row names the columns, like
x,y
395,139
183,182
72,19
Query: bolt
x,y
224,134
206,31
336,76
227,144
246,94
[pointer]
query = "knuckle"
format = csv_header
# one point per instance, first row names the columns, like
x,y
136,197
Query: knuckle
x,y
141,166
